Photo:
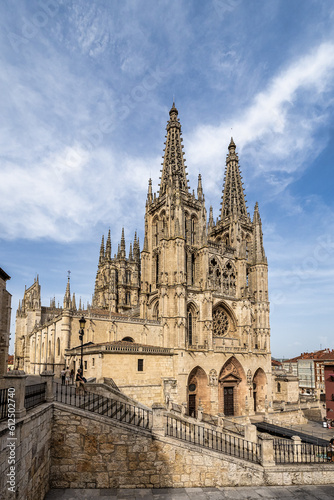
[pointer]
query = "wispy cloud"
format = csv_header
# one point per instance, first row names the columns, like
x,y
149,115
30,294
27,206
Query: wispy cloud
x,y
279,130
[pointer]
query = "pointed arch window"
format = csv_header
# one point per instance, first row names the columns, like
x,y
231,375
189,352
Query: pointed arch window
x,y
156,311
192,268
157,269
191,325
155,233
58,346
190,328
229,279
214,273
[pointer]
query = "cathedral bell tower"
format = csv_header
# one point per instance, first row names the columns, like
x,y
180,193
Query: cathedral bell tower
x,y
175,230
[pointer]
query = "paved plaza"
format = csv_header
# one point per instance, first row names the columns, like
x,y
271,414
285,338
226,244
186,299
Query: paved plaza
x,y
237,493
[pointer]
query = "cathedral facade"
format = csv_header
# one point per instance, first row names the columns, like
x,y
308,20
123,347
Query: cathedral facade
x,y
186,318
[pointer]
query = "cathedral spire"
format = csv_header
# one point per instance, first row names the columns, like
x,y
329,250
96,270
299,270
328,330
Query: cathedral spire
x,y
173,167
233,199
108,247
149,193
67,296
259,256
211,221
199,188
123,254
101,259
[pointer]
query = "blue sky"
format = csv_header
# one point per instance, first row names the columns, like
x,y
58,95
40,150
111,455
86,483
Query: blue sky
x,y
85,92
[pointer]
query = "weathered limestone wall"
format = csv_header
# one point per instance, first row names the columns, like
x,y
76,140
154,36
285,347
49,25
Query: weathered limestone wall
x,y
88,452
31,450
287,417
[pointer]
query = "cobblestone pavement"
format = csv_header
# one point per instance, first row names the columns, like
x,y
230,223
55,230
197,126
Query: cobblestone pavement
x,y
318,492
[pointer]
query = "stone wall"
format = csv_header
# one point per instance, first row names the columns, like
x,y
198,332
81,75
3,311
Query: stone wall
x,y
31,453
287,417
90,451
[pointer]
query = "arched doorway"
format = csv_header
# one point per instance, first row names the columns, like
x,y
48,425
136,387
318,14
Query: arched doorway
x,y
259,390
232,389
198,391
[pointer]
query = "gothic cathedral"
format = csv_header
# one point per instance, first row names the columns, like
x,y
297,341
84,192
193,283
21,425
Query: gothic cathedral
x,y
186,319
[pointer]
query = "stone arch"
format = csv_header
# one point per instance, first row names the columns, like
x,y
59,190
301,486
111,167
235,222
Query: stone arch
x,y
259,390
198,393
127,339
232,388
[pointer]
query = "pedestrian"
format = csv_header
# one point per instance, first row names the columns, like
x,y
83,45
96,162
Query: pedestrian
x,y
330,451
80,384
72,376
67,376
62,374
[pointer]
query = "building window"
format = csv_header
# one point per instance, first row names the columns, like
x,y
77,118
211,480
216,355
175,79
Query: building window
x,y
140,365
58,346
127,298
190,328
192,269
157,269
85,365
93,361
278,387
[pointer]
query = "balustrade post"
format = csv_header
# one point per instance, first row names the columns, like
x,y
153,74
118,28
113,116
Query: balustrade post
x,y
158,419
297,448
16,384
267,457
48,378
221,420
200,413
184,409
251,433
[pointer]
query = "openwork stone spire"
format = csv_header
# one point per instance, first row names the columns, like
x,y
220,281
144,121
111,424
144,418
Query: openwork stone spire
x,y
173,169
233,194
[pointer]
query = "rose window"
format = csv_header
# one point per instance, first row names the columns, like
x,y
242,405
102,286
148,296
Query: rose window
x,y
220,322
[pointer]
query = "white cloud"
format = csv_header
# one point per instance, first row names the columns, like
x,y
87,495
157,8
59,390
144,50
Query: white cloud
x,y
278,130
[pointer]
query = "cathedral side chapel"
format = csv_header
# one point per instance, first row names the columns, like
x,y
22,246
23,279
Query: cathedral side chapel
x,y
186,319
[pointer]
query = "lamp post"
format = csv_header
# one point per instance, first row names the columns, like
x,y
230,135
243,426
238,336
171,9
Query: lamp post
x,y
82,323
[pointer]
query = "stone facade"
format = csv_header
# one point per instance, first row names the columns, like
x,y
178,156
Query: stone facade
x,y
187,319
5,314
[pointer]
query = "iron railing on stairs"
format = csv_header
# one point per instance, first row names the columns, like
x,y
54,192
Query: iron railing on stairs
x,y
96,403
212,439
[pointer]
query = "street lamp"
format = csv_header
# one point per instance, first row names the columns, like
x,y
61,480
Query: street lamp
x,y
82,323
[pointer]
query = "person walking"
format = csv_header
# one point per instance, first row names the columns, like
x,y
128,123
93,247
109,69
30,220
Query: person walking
x,y
72,376
62,374
67,376
330,451
80,383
